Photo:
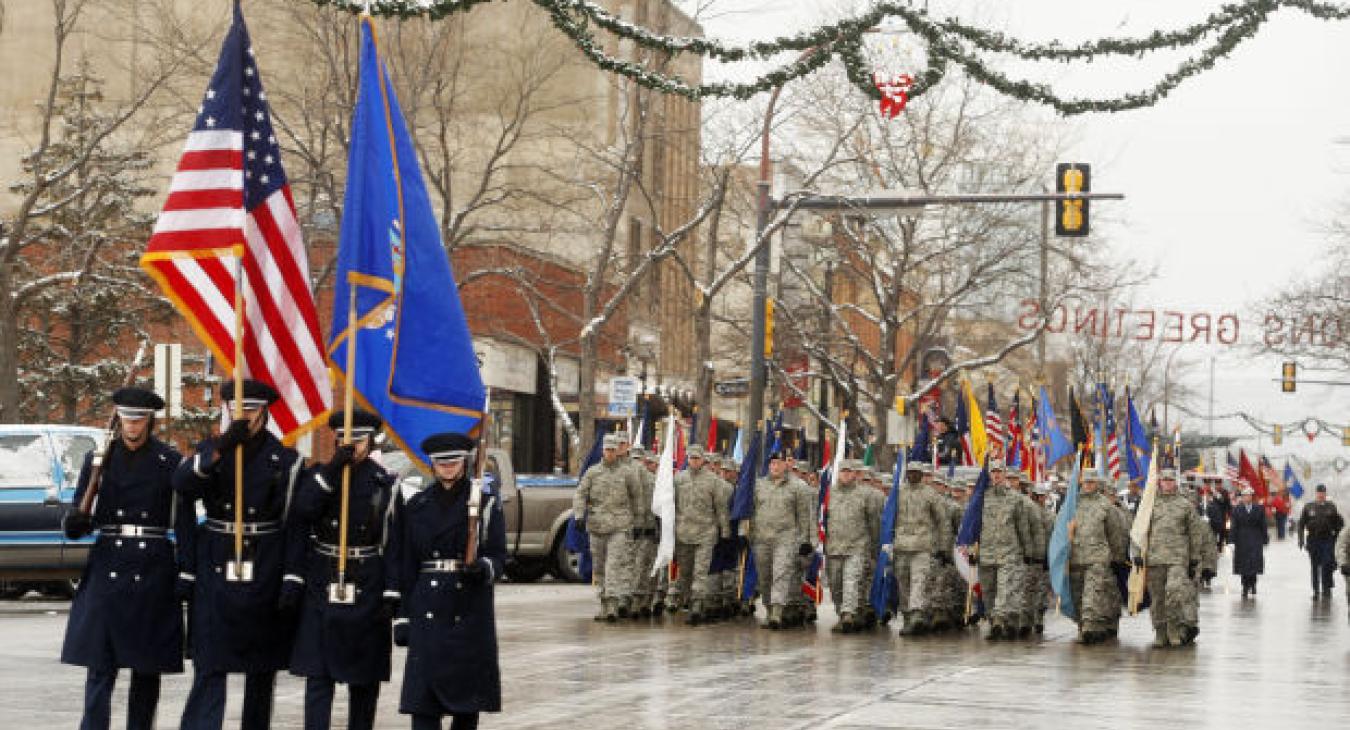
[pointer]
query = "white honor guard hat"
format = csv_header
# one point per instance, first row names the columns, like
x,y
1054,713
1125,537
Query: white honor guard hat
x,y
446,447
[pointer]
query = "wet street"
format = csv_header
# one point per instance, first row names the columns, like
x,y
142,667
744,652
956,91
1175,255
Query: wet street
x,y
1277,661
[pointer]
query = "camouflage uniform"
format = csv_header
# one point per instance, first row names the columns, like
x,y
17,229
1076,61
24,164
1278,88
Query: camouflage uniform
x,y
945,588
700,520
609,495
1006,544
922,528
1096,544
1037,573
799,608
1179,546
780,527
646,539
852,531
877,503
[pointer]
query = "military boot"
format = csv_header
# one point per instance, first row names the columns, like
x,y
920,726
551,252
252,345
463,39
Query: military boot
x,y
611,610
789,616
695,614
941,622
995,631
848,624
1188,634
907,623
658,608
1159,637
622,610
775,620
1175,633
923,623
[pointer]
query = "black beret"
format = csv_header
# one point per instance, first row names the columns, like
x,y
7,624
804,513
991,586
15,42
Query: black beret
x,y
253,390
1321,488
777,454
137,398
360,419
448,442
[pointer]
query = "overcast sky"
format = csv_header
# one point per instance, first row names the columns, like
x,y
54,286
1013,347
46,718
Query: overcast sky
x,y
1227,181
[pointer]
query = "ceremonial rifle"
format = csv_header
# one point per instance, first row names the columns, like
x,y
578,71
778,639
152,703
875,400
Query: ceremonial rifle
x,y
476,485
113,433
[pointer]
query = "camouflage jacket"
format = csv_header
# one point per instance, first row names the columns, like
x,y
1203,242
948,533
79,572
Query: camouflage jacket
x,y
1005,533
922,522
644,517
608,497
1178,535
700,507
955,513
780,513
854,522
1098,532
1042,524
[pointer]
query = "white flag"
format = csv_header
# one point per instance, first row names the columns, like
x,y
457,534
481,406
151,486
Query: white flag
x,y
1144,514
663,499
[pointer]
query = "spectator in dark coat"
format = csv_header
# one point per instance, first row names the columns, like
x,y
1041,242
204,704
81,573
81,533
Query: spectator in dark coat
x,y
1250,536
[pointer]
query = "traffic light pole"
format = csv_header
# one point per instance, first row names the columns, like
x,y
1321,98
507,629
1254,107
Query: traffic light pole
x,y
767,205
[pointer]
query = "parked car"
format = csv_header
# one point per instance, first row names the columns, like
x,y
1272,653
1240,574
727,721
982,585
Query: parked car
x,y
537,508
39,465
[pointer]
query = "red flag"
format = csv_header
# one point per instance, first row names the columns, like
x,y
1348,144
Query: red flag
x,y
712,435
681,461
229,210
1249,474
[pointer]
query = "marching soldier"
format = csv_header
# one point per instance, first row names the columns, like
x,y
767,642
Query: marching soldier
x,y
609,496
922,528
447,618
1097,538
1038,580
700,519
125,615
1318,526
799,609
341,640
852,531
1005,551
239,620
646,537
721,585
781,533
1179,548
876,497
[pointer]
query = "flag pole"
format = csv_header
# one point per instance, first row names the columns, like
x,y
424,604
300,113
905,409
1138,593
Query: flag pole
x,y
341,592
239,571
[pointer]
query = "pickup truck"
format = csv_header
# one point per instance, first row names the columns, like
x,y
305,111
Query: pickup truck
x,y
38,468
537,508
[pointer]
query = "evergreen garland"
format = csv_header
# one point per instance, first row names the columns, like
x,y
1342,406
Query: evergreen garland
x,y
947,41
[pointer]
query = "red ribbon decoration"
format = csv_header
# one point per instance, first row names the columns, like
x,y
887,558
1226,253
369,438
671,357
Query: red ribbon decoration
x,y
894,93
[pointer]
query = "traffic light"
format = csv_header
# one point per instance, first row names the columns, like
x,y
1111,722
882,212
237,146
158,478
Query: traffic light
x,y
768,327
1071,216
1345,436
1288,377
1277,437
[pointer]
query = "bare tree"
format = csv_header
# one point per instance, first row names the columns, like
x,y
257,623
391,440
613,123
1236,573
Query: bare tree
x,y
59,160
1308,319
943,277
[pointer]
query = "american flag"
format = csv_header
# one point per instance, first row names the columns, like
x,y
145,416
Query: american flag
x,y
1230,467
1014,444
993,424
811,580
1108,403
229,205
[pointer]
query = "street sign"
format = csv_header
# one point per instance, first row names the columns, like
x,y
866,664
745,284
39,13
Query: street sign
x,y
623,393
734,388
169,378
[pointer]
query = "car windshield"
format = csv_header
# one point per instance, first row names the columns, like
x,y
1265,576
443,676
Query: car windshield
x,y
24,461
73,447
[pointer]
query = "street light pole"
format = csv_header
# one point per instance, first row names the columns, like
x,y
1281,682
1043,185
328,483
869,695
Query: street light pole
x,y
764,207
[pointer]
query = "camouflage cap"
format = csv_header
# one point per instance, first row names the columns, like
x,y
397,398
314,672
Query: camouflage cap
x,y
610,441
696,452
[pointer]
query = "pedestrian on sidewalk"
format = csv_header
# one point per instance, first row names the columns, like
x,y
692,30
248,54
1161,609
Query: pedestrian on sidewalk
x,y
1250,535
1318,526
